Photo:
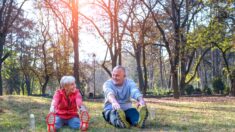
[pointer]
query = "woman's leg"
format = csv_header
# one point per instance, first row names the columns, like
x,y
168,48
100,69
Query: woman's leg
x,y
58,122
74,123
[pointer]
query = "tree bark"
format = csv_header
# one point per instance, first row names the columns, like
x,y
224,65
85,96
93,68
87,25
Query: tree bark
x,y
139,68
1,89
27,82
2,41
160,66
75,38
232,92
145,72
174,82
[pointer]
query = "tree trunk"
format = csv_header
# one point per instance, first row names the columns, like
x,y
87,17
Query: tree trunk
x,y
46,77
75,39
1,89
160,66
139,69
27,82
174,82
145,72
22,86
2,41
151,70
230,72
183,75
44,86
233,83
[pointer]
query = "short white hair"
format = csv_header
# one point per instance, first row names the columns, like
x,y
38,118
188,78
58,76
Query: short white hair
x,y
120,67
66,80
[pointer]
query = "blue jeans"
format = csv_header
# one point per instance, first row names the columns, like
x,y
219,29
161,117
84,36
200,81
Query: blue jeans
x,y
73,122
132,116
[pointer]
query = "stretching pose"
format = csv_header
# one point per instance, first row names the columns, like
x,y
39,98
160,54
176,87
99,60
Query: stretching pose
x,y
67,106
118,110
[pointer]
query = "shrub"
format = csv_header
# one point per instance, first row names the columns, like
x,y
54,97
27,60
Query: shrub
x,y
189,89
226,90
159,91
207,90
197,91
218,85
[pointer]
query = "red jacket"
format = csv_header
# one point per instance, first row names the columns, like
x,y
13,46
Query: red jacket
x,y
66,107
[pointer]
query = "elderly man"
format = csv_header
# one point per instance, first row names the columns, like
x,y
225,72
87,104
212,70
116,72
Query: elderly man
x,y
118,110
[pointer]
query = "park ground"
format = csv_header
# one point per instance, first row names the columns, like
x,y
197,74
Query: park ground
x,y
204,114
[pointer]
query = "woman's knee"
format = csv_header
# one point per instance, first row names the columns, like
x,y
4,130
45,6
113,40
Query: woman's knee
x,y
74,123
58,122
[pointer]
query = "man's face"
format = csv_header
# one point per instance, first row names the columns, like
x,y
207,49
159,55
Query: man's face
x,y
118,76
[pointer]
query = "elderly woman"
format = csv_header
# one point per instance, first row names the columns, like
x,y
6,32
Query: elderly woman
x,y
66,103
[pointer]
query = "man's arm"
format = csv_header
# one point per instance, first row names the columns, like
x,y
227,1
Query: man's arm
x,y
110,96
136,94
113,101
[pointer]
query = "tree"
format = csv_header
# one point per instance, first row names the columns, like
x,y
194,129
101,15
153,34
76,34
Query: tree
x,y
218,35
141,34
111,27
9,12
178,17
63,10
11,74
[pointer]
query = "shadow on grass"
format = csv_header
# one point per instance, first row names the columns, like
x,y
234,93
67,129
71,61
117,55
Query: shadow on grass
x,y
222,108
16,110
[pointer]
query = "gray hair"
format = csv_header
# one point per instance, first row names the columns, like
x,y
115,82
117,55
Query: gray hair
x,y
120,67
66,80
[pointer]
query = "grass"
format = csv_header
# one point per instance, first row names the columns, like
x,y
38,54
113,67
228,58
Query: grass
x,y
165,115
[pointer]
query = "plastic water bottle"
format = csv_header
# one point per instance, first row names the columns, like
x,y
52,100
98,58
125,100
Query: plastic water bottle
x,y
32,123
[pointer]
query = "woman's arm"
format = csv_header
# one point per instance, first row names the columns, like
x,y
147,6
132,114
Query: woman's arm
x,y
78,100
55,101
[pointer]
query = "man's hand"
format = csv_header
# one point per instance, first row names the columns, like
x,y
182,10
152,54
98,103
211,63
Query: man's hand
x,y
141,101
114,102
116,105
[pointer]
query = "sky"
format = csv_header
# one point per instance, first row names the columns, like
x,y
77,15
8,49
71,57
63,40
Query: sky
x,y
88,45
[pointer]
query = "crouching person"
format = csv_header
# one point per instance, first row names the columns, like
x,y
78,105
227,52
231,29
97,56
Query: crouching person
x,y
118,110
67,106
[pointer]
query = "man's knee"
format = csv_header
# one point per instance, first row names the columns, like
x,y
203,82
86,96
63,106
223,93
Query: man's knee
x,y
106,115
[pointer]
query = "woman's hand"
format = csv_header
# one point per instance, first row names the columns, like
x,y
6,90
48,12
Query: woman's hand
x,y
83,108
52,109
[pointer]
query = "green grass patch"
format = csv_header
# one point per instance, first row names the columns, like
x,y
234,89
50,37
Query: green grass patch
x,y
165,115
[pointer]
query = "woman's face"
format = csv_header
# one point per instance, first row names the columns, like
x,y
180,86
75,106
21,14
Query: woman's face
x,y
70,87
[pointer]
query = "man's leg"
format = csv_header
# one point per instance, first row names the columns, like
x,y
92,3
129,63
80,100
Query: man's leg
x,y
106,115
74,123
132,116
143,111
58,122
116,118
